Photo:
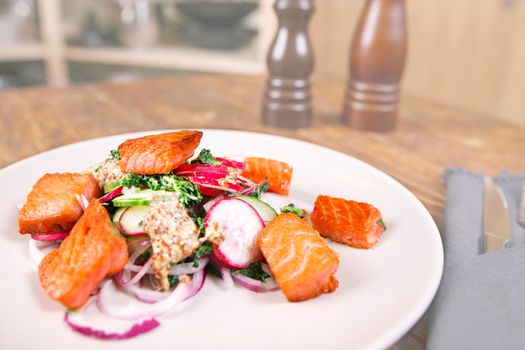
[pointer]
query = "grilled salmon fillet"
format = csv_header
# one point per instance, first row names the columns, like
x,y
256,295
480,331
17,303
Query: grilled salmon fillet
x,y
356,224
158,154
93,250
279,174
51,206
300,260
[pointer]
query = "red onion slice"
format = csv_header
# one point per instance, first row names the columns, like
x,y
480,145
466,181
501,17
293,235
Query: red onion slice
x,y
116,304
82,200
269,285
226,277
38,250
49,237
90,322
179,269
110,195
232,163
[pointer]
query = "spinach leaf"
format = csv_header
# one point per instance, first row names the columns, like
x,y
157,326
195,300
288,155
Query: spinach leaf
x,y
205,157
255,271
291,208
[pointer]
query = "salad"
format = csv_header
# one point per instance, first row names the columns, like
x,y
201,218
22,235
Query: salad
x,y
138,233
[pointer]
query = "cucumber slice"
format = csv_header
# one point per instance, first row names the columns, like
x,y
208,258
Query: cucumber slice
x,y
266,212
141,198
110,186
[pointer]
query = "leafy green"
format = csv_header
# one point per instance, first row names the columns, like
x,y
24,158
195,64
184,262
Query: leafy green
x,y
199,221
205,157
255,271
115,154
381,224
263,187
188,193
205,249
173,279
291,208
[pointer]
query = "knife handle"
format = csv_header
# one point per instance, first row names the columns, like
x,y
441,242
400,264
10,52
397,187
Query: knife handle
x,y
494,243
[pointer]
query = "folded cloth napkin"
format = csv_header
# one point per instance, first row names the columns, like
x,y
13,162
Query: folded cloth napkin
x,y
481,300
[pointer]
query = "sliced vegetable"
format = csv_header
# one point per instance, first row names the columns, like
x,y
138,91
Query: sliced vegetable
x,y
49,237
142,198
232,163
91,322
131,221
240,223
109,196
266,212
38,249
115,304
110,186
117,215
269,285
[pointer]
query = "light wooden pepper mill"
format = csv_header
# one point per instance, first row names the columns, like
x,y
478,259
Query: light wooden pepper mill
x,y
287,100
377,60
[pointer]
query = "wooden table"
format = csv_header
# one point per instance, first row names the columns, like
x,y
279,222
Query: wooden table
x,y
428,138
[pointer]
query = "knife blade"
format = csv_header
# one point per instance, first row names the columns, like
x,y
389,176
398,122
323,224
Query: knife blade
x,y
496,220
521,218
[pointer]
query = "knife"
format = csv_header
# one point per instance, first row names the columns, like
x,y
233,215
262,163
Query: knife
x,y
496,220
521,218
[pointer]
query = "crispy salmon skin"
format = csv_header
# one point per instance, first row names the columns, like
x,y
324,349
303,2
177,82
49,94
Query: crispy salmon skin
x,y
51,206
301,261
356,224
279,174
93,250
158,154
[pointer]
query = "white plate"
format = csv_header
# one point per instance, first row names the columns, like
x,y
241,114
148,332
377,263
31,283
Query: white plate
x,y
382,292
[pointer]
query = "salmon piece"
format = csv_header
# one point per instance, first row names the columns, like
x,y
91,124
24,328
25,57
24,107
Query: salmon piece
x,y
300,259
279,174
51,206
158,154
93,250
356,224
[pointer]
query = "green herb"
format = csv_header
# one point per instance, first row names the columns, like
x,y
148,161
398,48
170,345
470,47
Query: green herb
x,y
291,208
199,221
173,279
263,187
205,249
381,224
115,154
188,193
205,157
255,271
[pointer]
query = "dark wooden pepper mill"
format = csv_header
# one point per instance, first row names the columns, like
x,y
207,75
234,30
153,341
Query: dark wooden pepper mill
x,y
290,62
377,60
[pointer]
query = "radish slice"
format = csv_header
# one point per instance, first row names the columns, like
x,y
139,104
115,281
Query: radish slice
x,y
269,285
91,322
49,237
109,196
132,219
115,304
240,223
211,202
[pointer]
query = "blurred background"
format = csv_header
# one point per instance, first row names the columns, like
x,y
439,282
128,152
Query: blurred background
x,y
467,54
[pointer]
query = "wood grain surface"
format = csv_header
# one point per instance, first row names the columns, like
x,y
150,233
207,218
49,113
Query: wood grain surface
x,y
428,138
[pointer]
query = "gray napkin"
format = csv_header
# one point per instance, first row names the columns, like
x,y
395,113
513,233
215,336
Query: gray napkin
x,y
481,301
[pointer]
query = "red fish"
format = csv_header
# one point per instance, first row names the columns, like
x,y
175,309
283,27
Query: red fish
x,y
158,154
356,224
300,260
52,205
279,174
93,250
